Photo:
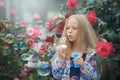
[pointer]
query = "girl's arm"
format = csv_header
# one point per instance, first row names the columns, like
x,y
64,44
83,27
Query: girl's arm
x,y
58,68
89,69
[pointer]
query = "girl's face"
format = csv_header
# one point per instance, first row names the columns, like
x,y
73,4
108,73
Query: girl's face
x,y
72,29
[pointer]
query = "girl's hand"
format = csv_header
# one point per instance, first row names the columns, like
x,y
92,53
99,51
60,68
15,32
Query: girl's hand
x,y
61,50
62,54
79,61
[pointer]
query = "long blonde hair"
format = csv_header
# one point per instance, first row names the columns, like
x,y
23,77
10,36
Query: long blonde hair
x,y
86,34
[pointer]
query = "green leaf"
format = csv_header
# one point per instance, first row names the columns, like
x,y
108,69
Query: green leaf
x,y
117,14
90,2
58,20
117,58
83,4
2,34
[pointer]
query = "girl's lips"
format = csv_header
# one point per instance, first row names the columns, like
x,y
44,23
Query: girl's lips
x,y
69,36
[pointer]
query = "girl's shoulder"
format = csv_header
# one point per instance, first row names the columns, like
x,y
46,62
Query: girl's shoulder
x,y
90,50
91,54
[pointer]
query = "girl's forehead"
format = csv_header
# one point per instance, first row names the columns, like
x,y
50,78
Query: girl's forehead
x,y
72,19
72,22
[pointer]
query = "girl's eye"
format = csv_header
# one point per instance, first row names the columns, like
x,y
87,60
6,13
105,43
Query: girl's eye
x,y
67,28
74,28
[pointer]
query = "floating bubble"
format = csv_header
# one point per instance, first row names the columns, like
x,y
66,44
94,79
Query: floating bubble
x,y
43,68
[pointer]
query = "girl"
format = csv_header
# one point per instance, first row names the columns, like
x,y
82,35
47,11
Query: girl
x,y
80,40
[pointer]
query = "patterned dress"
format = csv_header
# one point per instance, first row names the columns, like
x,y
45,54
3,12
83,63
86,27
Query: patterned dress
x,y
62,70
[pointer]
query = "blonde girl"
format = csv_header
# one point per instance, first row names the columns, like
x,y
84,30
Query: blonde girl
x,y
80,39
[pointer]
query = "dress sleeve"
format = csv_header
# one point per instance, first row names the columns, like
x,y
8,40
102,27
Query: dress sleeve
x,y
58,68
89,70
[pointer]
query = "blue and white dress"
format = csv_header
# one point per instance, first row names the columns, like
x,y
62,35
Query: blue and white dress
x,y
63,70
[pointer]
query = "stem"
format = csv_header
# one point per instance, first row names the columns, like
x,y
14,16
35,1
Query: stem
x,y
31,76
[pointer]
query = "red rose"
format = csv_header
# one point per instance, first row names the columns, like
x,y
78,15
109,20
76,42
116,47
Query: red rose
x,y
104,49
68,15
71,4
60,27
48,39
1,27
91,16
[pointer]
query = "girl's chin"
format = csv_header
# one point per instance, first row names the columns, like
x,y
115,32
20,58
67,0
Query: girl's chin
x,y
71,40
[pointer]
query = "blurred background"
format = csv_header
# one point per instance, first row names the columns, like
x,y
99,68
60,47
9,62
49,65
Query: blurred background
x,y
26,8
32,28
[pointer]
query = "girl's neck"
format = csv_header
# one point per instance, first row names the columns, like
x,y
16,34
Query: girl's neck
x,y
75,47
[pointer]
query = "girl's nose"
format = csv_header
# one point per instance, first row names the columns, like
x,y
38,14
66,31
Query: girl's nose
x,y
70,30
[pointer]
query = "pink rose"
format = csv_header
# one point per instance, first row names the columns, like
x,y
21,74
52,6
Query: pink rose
x,y
16,78
34,32
71,4
29,41
36,16
42,49
30,31
103,49
56,17
8,25
1,4
21,35
91,16
32,46
49,24
23,25
12,11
